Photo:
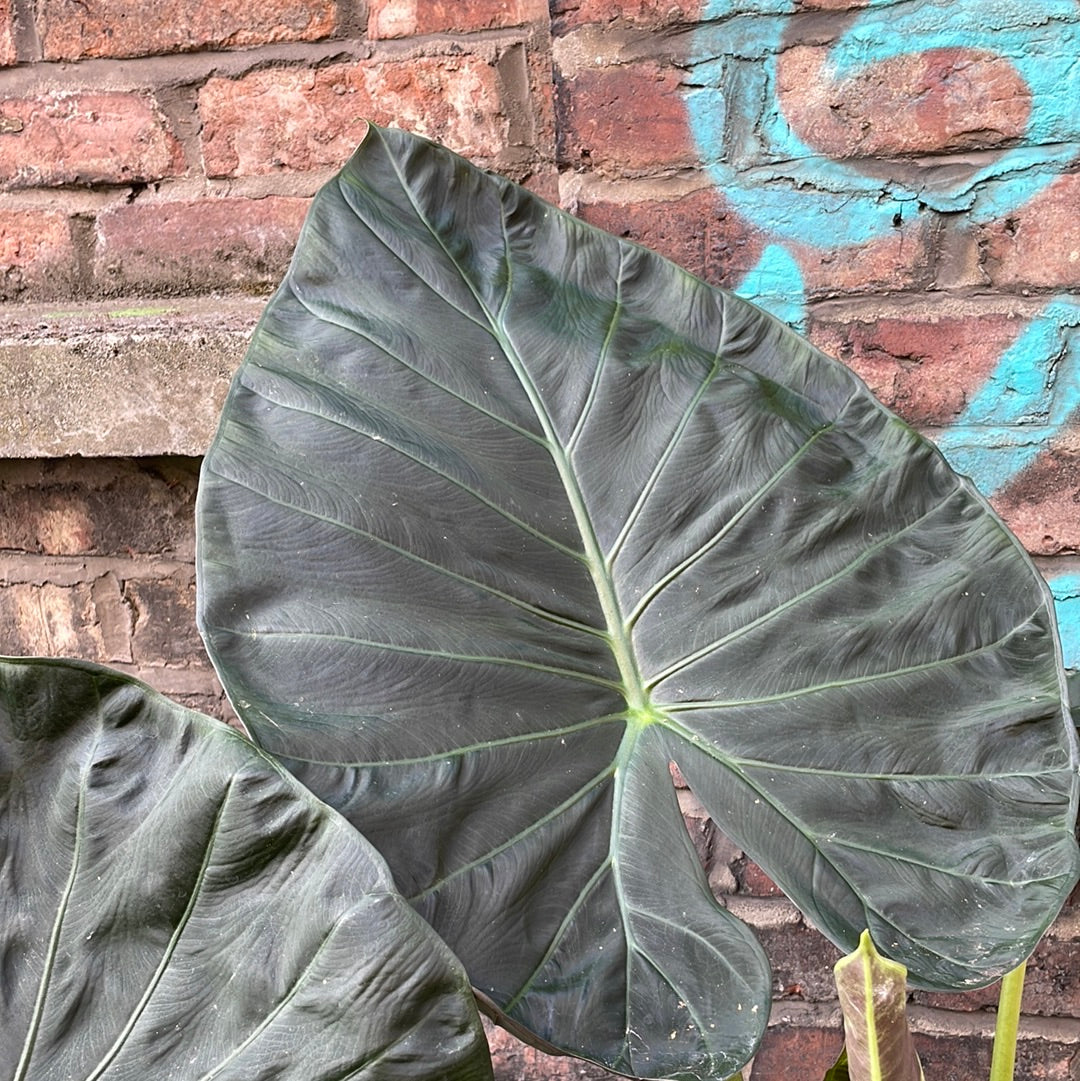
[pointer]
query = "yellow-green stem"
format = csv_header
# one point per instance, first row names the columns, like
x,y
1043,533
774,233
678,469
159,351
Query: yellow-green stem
x,y
1008,1024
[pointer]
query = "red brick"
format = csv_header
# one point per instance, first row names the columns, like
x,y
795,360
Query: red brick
x,y
300,118
965,1057
37,255
756,883
697,231
193,247
629,118
1042,504
403,18
570,14
7,35
48,620
940,100
830,5
102,507
903,259
1038,244
45,520
164,631
924,367
73,29
513,1060
105,137
791,1053
1050,987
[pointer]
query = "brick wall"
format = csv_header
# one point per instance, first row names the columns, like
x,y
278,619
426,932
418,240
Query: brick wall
x,y
897,179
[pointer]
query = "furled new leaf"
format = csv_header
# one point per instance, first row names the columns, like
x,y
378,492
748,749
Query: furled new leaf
x,y
873,997
172,904
505,514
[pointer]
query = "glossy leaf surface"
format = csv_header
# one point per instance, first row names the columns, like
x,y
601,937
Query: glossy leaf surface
x,y
173,904
505,514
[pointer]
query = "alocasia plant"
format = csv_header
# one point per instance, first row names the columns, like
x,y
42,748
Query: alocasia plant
x,y
505,515
873,997
173,904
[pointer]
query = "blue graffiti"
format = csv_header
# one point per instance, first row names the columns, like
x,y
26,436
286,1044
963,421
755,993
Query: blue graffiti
x,y
1026,402
790,190
1066,592
795,194
776,284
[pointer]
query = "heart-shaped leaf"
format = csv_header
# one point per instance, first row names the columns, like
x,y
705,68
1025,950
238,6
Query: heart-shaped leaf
x,y
172,904
504,515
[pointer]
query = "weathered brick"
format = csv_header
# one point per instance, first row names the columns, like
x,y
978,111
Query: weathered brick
x,y
830,5
301,118
936,101
963,1056
404,18
802,961
74,30
1041,505
115,617
903,259
628,118
754,882
164,630
568,15
101,137
796,1053
37,253
924,366
1050,987
697,231
45,520
1038,244
7,34
69,507
513,1060
49,620
191,247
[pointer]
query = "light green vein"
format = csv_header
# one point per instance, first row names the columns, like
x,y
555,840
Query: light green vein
x,y
854,681
170,948
53,946
766,617
354,398
620,642
684,930
686,999
560,933
650,485
534,827
946,872
254,634
276,1012
602,359
855,775
432,468
662,583
410,267
472,748
438,568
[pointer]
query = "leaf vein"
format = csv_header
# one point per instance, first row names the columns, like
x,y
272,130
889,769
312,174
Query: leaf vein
x,y
394,647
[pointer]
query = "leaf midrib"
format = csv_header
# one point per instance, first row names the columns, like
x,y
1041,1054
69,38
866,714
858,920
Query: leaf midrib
x,y
632,685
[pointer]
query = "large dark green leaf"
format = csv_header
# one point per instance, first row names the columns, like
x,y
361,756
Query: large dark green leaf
x,y
505,514
173,905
